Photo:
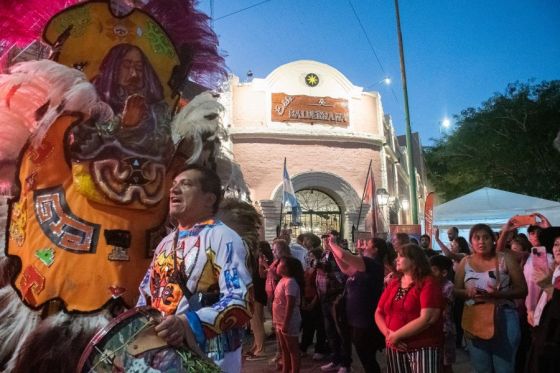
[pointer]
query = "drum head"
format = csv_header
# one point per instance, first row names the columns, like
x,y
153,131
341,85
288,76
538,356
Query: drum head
x,y
129,344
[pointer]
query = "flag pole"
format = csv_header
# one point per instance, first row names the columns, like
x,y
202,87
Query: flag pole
x,y
279,228
363,194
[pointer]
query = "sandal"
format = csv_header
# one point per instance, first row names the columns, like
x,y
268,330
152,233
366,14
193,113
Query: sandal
x,y
248,354
256,357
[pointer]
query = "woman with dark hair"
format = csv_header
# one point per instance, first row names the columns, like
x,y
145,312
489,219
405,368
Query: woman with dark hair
x,y
409,315
264,254
268,270
361,295
544,353
286,311
488,276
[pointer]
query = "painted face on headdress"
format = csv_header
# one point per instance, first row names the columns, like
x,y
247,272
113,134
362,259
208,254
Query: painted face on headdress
x,y
123,160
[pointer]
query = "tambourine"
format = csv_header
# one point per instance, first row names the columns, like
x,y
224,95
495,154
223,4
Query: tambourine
x,y
130,344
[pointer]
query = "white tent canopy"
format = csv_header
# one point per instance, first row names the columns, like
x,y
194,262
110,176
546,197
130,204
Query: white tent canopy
x,y
493,207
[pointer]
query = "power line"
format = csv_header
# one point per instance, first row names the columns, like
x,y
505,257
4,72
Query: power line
x,y
366,35
242,10
371,46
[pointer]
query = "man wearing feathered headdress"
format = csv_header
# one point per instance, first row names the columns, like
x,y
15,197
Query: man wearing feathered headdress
x,y
95,133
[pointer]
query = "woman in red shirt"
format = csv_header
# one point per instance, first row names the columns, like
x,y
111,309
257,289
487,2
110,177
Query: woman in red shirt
x,y
409,315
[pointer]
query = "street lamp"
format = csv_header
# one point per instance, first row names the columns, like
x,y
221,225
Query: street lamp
x,y
405,204
382,197
387,81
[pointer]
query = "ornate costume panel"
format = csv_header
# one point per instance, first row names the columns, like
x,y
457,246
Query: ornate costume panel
x,y
70,248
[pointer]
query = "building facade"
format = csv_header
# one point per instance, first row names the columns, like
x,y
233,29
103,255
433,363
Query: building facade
x,y
329,131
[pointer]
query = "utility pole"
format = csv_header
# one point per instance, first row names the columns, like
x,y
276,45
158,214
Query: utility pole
x,y
411,171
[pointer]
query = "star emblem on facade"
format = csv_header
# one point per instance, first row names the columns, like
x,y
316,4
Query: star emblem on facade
x,y
312,79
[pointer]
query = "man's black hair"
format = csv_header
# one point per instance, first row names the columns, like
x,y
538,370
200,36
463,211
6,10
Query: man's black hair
x,y
425,235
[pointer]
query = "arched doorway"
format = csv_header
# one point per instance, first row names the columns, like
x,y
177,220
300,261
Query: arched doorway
x,y
320,213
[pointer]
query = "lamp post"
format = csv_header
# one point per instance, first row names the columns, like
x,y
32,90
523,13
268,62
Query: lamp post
x,y
382,197
405,204
411,171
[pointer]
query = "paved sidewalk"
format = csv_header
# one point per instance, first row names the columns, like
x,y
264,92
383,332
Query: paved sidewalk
x,y
308,365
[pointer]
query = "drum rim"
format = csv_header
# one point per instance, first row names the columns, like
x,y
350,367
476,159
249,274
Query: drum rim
x,y
101,333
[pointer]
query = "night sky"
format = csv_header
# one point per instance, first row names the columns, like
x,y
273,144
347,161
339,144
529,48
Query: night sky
x,y
458,53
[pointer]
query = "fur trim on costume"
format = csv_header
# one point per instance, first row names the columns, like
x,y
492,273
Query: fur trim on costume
x,y
18,322
243,218
60,335
232,178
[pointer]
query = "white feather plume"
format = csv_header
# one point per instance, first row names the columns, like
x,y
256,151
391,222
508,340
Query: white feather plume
x,y
42,84
200,122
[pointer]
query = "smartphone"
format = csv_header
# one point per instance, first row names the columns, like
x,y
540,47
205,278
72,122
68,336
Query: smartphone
x,y
520,220
539,259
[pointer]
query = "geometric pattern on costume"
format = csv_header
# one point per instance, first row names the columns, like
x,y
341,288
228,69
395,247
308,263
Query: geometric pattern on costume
x,y
210,255
65,229
80,273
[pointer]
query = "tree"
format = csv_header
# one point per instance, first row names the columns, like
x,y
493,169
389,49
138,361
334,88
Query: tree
x,y
506,144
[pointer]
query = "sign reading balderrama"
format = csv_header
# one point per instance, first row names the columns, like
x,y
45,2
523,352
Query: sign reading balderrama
x,y
308,109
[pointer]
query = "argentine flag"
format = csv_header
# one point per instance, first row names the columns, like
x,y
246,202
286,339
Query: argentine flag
x,y
289,196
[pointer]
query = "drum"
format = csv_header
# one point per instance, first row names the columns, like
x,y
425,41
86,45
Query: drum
x,y
130,344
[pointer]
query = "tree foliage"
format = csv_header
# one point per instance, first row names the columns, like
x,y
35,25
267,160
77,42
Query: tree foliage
x,y
506,144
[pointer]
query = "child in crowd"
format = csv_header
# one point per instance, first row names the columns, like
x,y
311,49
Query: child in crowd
x,y
442,271
286,311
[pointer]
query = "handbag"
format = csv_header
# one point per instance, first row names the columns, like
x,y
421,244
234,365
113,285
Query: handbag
x,y
479,319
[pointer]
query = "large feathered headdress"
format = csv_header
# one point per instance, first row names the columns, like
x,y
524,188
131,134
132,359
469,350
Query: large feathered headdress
x,y
22,23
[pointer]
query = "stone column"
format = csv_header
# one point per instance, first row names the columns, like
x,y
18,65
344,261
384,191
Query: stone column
x,y
271,217
351,218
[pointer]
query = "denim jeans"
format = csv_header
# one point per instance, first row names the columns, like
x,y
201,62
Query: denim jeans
x,y
341,347
497,355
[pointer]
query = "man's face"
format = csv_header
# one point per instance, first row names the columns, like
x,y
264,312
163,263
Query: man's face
x,y
451,235
187,202
425,242
130,77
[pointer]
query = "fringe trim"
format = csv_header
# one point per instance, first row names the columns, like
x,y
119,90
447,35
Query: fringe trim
x,y
17,323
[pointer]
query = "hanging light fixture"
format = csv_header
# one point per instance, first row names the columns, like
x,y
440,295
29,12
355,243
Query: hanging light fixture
x,y
382,197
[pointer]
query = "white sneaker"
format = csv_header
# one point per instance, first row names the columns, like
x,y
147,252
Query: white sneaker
x,y
330,367
343,370
318,356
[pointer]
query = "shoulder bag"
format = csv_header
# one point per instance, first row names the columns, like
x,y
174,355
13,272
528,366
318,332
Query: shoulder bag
x,y
479,318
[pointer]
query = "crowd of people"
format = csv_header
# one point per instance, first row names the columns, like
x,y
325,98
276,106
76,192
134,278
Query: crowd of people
x,y
415,303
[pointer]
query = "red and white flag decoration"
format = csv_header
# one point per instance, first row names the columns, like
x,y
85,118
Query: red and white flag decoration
x,y
369,198
429,214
